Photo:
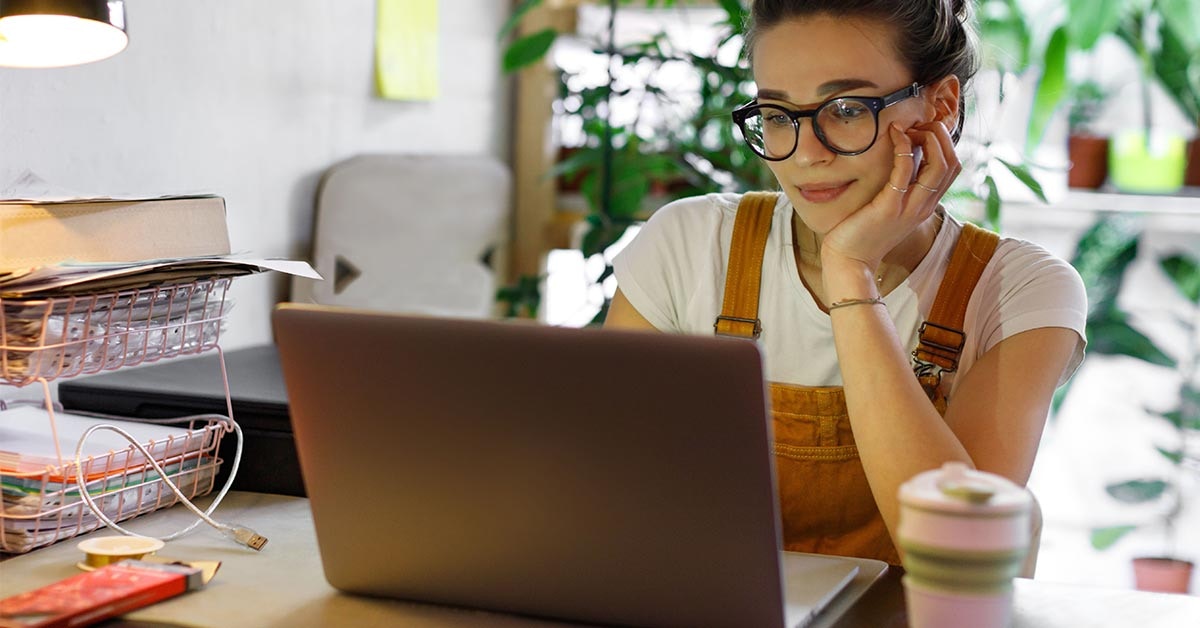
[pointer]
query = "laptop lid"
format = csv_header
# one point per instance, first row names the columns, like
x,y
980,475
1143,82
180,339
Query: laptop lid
x,y
590,475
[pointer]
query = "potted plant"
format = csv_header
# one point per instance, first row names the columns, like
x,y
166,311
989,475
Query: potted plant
x,y
621,169
1164,37
1087,149
1175,64
1167,571
1102,257
1150,159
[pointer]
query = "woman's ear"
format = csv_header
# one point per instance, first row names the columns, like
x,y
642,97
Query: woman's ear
x,y
942,99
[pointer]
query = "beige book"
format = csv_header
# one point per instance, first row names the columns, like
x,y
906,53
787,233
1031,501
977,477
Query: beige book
x,y
41,234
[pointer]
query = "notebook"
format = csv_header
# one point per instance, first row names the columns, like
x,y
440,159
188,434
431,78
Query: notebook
x,y
596,476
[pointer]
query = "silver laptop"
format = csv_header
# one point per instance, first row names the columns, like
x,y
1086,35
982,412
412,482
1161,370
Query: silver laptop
x,y
591,476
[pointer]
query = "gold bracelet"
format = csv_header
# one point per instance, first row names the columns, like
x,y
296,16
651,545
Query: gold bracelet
x,y
849,302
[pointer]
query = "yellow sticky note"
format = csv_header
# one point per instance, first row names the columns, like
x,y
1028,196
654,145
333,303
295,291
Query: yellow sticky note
x,y
406,39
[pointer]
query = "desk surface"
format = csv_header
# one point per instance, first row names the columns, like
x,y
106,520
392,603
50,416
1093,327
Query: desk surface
x,y
284,585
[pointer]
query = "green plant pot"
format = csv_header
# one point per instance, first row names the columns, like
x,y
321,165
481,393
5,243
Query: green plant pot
x,y
1154,167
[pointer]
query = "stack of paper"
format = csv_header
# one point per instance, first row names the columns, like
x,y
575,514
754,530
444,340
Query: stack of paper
x,y
94,284
75,278
40,495
71,319
67,336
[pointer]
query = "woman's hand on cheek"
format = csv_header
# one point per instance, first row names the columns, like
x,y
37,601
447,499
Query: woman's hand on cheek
x,y
906,200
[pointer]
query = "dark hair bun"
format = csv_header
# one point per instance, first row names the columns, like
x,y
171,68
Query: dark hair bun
x,y
959,7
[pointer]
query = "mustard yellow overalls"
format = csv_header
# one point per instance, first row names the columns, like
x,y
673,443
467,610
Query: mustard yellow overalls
x,y
825,501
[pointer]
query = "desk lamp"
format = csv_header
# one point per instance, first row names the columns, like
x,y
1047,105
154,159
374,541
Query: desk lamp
x,y
56,33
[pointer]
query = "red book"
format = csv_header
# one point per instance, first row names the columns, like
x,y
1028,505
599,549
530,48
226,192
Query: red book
x,y
94,596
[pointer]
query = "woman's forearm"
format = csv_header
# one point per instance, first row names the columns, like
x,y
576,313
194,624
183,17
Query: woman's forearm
x,y
896,428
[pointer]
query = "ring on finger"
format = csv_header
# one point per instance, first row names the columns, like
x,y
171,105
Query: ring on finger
x,y
904,155
926,187
900,190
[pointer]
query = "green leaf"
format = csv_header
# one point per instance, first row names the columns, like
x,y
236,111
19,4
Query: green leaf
x,y
1104,538
1089,19
1177,67
1184,272
514,19
1182,17
659,165
601,234
1113,336
523,297
992,202
528,50
1103,254
632,171
1175,456
593,239
1049,91
582,159
1060,395
1137,491
735,12
630,186
1022,173
1174,417
599,318
1005,33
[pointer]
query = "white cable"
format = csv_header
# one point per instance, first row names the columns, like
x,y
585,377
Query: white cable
x,y
238,533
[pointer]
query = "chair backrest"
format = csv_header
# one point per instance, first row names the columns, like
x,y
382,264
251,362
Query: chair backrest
x,y
408,233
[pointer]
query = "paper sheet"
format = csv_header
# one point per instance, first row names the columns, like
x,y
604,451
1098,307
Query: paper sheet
x,y
68,278
26,444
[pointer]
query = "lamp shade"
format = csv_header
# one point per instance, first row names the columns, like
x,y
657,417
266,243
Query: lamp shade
x,y
56,33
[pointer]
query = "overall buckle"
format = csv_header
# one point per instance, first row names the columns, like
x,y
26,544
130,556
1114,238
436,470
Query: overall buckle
x,y
757,323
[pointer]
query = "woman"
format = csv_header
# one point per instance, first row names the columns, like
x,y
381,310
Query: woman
x,y
875,375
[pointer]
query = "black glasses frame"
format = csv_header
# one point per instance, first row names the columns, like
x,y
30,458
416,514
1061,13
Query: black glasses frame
x,y
874,103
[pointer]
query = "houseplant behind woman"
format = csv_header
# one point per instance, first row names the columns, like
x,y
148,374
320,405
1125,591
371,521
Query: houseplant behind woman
x,y
859,106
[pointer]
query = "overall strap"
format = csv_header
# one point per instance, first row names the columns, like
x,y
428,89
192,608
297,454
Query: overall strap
x,y
941,335
739,310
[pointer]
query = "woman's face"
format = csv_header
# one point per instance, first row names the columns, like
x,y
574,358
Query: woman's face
x,y
801,63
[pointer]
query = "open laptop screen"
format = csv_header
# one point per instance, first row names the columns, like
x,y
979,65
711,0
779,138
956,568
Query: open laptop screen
x,y
590,475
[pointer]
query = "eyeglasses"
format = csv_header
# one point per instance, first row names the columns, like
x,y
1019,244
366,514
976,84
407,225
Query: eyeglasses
x,y
847,125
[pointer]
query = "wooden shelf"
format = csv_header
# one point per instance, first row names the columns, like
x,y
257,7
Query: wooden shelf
x,y
1186,201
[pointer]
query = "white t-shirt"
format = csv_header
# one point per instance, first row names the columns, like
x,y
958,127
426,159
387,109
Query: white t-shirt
x,y
673,273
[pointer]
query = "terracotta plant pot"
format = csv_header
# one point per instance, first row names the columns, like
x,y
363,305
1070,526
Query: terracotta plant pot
x,y
1166,575
1089,161
1192,176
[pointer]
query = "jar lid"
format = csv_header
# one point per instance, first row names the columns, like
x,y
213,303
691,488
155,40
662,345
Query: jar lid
x,y
957,488
105,550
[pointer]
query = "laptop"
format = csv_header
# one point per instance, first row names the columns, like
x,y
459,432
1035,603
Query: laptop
x,y
595,476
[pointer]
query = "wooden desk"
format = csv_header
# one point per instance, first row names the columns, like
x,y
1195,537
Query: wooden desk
x,y
284,586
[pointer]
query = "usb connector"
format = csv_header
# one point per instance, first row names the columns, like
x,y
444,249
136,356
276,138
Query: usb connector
x,y
246,536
